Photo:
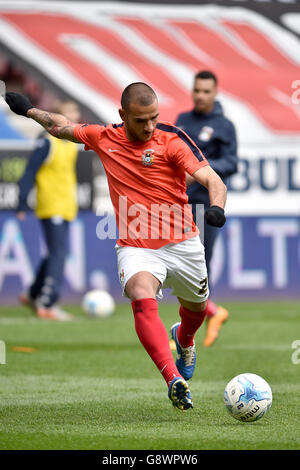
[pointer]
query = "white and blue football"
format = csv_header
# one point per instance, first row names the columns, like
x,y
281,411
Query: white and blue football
x,y
98,303
247,397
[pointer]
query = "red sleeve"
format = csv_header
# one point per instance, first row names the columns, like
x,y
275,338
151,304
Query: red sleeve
x,y
184,152
89,134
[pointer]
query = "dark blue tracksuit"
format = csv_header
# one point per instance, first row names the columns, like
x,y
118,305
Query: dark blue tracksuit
x,y
47,284
215,135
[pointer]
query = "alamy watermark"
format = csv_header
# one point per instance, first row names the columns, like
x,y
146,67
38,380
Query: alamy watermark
x,y
154,222
296,354
2,352
296,93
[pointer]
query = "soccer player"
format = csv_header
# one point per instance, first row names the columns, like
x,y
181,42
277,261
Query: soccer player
x,y
215,135
145,162
52,169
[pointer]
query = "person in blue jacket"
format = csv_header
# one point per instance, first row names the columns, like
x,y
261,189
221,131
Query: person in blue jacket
x,y
215,135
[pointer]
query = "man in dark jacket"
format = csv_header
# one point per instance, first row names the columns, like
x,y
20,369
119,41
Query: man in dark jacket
x,y
215,135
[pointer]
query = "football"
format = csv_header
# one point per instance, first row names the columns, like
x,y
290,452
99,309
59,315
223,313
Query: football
x,y
247,397
98,303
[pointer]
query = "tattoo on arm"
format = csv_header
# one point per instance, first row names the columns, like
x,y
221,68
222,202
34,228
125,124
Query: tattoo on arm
x,y
65,132
56,124
42,117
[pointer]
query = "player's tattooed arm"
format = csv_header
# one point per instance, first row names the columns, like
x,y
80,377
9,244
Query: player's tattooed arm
x,y
56,124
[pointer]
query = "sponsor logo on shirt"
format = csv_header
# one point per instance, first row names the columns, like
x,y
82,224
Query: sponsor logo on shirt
x,y
148,157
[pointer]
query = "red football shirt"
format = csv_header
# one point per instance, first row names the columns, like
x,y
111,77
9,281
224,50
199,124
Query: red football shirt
x,y
147,181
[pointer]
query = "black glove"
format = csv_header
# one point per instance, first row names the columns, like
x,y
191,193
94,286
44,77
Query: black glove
x,y
18,103
215,216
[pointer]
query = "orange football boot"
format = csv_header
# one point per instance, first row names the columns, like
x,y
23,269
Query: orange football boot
x,y
53,313
213,325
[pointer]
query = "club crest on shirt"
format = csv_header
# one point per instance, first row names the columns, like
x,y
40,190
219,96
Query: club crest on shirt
x,y
148,157
205,133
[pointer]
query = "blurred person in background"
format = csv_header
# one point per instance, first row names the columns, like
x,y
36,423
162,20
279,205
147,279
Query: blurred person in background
x,y
215,135
52,169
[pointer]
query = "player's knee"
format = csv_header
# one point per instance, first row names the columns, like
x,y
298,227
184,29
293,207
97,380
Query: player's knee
x,y
139,294
201,307
198,307
139,291
142,286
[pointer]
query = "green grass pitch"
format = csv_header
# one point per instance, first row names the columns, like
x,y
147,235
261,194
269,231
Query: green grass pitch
x,y
89,384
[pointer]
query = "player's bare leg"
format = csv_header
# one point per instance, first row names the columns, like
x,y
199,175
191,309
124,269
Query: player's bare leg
x,y
141,288
216,316
142,285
